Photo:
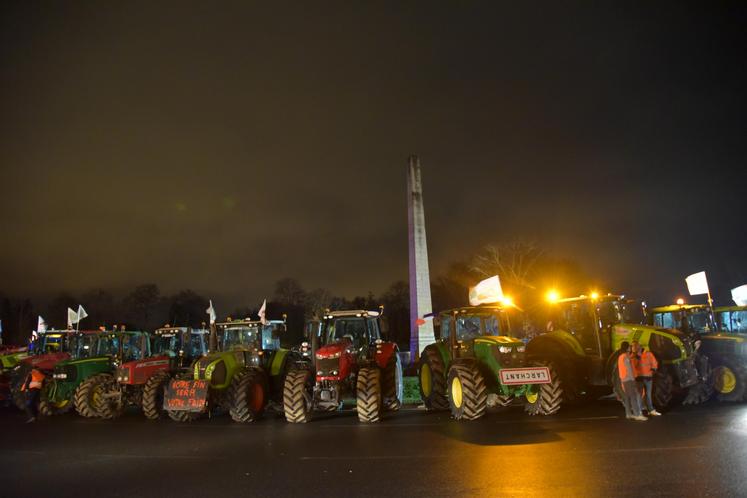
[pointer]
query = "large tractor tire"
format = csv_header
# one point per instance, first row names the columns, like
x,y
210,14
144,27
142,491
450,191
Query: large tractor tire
x,y
182,416
18,397
703,390
432,377
369,400
153,395
107,398
392,383
298,405
549,397
663,389
466,392
85,395
249,395
16,383
729,381
48,408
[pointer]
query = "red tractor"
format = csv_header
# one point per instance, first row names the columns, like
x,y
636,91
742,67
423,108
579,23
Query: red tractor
x,y
141,382
351,360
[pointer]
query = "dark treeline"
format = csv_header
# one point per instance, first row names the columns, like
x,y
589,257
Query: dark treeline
x,y
526,272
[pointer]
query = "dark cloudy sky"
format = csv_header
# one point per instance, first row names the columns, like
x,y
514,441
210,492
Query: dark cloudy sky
x,y
221,146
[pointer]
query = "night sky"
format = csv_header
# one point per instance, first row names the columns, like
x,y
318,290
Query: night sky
x,y
221,146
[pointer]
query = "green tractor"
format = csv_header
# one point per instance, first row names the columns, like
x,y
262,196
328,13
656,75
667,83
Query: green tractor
x,y
480,361
77,382
722,336
243,377
582,342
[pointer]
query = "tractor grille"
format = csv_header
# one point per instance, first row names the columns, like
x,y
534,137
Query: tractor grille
x,y
71,371
513,359
327,366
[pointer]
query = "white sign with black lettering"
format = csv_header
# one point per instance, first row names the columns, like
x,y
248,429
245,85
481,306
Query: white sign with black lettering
x,y
518,376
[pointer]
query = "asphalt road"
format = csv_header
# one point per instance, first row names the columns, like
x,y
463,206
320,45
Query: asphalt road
x,y
582,451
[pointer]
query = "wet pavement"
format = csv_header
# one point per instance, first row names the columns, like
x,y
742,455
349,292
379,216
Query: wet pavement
x,y
587,450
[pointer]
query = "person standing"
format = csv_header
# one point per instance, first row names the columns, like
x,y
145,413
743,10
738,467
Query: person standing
x,y
645,369
631,395
32,388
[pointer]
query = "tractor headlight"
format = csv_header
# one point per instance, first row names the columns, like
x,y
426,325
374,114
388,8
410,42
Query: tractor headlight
x,y
521,349
61,376
504,349
320,356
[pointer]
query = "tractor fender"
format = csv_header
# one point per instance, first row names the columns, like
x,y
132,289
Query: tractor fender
x,y
277,365
384,351
555,344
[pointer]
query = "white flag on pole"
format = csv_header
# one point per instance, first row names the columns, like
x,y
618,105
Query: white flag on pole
x,y
81,313
487,291
211,311
72,317
697,283
262,311
41,325
739,295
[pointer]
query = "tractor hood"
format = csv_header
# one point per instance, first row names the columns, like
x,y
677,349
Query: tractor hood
x,y
499,340
45,361
335,349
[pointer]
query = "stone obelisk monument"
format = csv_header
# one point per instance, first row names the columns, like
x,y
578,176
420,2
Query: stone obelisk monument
x,y
420,279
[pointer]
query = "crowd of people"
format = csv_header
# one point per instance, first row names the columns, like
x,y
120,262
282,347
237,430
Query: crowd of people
x,y
636,367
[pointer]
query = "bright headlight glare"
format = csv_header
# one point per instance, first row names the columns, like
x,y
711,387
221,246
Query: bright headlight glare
x,y
504,349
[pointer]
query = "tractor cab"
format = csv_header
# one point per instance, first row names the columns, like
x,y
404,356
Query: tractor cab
x,y
182,342
732,319
124,345
248,335
691,319
500,326
591,320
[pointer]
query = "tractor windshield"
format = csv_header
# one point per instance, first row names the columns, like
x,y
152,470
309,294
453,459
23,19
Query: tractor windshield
x,y
271,336
353,328
688,321
197,346
134,346
733,321
51,343
241,336
165,344
82,345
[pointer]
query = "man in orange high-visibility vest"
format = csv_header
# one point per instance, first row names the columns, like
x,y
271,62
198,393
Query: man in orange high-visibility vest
x,y
32,387
645,369
631,396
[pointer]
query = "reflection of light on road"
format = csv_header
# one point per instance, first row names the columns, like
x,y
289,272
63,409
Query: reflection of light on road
x,y
524,470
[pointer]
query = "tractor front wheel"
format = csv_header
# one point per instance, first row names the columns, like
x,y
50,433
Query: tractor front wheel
x,y
369,401
48,407
153,395
248,395
432,377
108,398
703,390
467,393
392,383
729,381
86,395
298,405
548,398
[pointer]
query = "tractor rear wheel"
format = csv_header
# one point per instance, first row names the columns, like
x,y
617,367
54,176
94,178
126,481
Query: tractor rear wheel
x,y
432,377
466,391
392,383
86,394
153,395
47,407
108,398
369,401
182,416
298,405
663,388
248,395
548,398
729,380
